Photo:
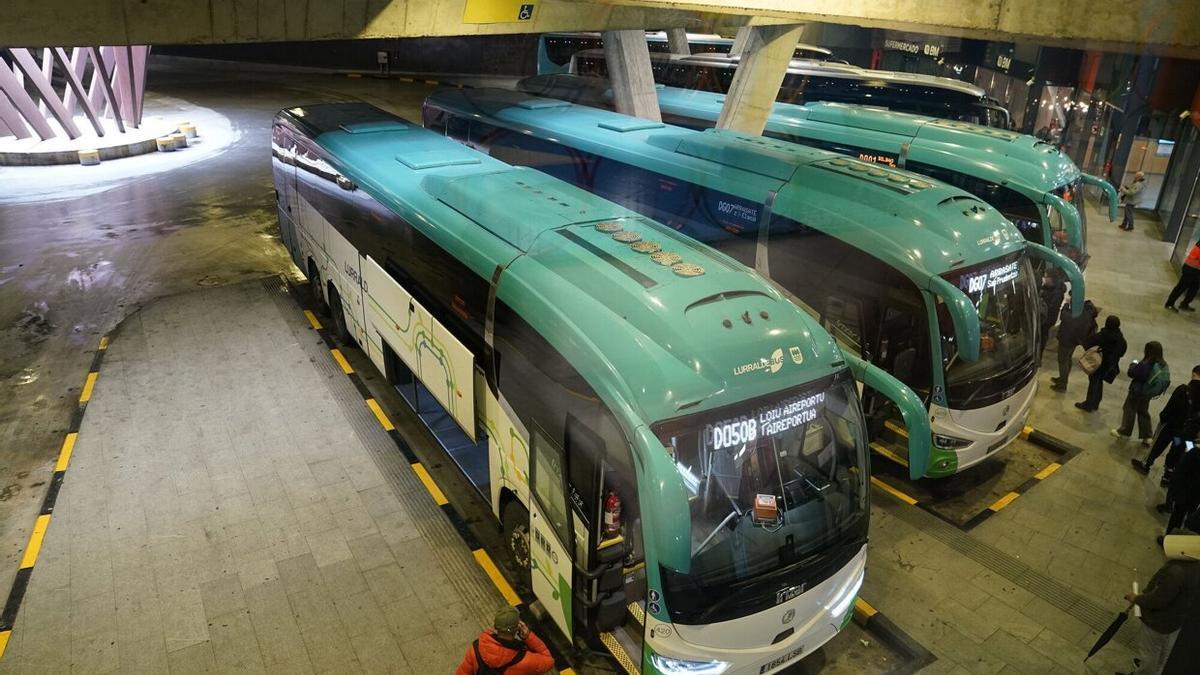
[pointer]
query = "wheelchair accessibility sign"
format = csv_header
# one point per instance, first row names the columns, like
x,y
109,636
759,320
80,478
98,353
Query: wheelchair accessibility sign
x,y
498,11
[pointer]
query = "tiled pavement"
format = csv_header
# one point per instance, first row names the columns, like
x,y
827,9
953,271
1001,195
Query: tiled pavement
x,y
1089,527
223,513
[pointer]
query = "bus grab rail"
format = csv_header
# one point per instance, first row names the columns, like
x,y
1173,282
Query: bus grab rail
x,y
1109,191
966,317
1069,268
912,409
1072,223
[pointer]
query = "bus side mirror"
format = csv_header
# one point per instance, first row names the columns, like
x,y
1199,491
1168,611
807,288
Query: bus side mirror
x,y
346,183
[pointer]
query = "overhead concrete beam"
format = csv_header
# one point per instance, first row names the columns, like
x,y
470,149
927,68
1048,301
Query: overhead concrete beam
x,y
1161,27
36,23
765,55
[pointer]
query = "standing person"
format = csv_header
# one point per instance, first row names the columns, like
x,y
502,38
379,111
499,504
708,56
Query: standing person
x,y
1112,347
1183,404
508,647
1072,331
1051,292
1166,603
1148,379
1131,196
1189,281
1183,495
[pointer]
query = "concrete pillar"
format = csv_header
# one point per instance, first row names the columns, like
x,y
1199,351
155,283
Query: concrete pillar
x,y
768,51
739,40
677,42
1135,105
629,72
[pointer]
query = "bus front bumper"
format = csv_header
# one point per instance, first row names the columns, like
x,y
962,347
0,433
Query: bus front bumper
x,y
987,430
750,645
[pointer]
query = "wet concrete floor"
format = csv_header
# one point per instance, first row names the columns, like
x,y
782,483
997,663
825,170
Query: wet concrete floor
x,y
71,267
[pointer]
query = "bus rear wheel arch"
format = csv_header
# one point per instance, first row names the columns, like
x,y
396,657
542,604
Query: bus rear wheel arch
x,y
340,329
314,285
515,519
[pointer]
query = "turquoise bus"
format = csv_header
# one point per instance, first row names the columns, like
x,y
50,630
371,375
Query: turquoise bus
x,y
1029,181
676,454
556,49
920,278
807,81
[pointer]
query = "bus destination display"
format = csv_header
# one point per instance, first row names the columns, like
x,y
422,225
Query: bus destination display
x,y
765,422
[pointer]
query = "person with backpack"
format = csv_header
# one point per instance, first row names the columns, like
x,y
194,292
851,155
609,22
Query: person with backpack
x,y
1111,344
1180,417
1149,378
507,648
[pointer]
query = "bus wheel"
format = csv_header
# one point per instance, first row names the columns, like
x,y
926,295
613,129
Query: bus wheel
x,y
314,285
516,539
339,317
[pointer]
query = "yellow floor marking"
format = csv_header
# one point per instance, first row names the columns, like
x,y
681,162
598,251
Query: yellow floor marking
x,y
433,82
498,579
64,455
88,384
312,319
4,635
887,452
1004,501
1050,468
615,648
353,74
383,419
35,541
567,671
896,428
103,343
862,608
341,361
1025,432
893,491
427,480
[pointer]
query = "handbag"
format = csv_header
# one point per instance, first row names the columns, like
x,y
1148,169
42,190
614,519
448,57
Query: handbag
x,y
1091,359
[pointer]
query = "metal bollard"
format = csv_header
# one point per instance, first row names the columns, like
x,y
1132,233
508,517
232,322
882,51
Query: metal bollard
x,y
165,144
187,129
179,140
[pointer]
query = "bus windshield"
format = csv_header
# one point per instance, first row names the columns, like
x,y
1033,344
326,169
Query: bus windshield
x,y
777,491
1004,294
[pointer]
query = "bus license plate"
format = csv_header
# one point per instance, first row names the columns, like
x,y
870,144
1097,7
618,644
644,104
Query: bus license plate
x,y
779,661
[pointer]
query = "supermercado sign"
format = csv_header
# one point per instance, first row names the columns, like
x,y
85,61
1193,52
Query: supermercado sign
x,y
765,422
977,283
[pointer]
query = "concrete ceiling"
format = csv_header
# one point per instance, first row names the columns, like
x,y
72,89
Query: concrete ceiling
x,y
1161,26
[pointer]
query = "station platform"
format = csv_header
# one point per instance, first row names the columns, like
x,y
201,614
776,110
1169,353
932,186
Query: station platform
x,y
231,505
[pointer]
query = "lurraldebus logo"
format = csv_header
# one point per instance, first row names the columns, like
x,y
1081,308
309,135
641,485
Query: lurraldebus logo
x,y
772,364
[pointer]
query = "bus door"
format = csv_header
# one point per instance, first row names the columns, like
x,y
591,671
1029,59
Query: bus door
x,y
550,528
604,512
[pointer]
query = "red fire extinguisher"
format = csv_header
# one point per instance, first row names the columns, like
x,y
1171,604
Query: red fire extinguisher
x,y
612,514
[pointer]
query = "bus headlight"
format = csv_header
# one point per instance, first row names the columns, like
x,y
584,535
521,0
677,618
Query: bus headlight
x,y
950,442
670,666
840,604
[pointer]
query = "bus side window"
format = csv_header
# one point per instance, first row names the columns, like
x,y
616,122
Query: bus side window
x,y
547,480
1015,206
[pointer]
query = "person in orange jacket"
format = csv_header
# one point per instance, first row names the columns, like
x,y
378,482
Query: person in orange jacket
x,y
508,647
1189,282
